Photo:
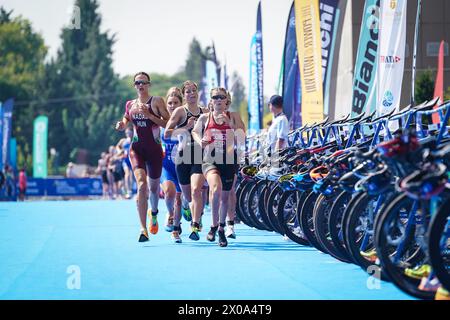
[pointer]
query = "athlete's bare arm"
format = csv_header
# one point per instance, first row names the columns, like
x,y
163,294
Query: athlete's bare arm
x,y
174,120
237,121
122,125
197,131
162,115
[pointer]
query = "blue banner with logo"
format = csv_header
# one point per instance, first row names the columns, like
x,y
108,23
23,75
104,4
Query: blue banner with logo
x,y
36,187
365,75
329,23
74,187
291,75
7,129
64,187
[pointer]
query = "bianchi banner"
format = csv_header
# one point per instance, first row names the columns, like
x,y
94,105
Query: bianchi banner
x,y
365,75
309,44
392,54
329,23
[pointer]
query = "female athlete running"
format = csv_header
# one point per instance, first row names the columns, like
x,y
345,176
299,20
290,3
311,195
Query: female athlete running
x,y
148,114
169,180
188,161
215,132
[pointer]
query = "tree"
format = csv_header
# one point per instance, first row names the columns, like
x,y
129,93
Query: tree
x,y
82,79
447,94
424,87
238,90
195,62
22,55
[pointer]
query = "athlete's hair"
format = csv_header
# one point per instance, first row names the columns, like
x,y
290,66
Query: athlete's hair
x,y
229,98
188,83
174,92
142,73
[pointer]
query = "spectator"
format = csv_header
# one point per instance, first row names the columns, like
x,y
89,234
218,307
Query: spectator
x,y
22,184
70,171
10,182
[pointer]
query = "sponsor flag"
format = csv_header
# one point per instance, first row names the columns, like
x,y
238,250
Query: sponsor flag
x,y
309,46
212,80
7,110
439,86
341,90
391,54
1,136
13,153
414,61
40,147
256,98
291,74
329,23
366,65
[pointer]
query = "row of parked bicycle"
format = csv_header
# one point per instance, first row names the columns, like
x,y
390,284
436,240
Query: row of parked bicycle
x,y
370,191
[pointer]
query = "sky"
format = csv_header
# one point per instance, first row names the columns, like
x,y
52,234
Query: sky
x,y
154,35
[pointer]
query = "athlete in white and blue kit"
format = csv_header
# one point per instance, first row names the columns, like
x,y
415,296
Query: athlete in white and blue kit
x,y
169,179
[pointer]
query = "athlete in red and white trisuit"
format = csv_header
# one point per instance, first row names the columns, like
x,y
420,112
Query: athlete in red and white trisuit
x,y
147,114
217,132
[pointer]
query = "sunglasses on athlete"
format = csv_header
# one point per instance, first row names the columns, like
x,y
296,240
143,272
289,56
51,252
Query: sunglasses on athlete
x,y
139,82
219,97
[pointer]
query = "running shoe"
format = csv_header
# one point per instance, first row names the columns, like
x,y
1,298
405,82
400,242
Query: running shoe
x,y
222,239
143,236
194,232
230,232
419,272
153,222
212,234
429,285
169,223
176,236
200,224
186,213
442,294
370,255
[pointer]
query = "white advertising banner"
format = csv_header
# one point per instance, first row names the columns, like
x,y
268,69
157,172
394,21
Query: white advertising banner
x,y
391,54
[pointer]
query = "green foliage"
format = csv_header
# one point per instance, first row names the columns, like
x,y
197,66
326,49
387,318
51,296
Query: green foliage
x,y
22,54
238,91
447,94
195,62
82,78
78,89
243,112
424,86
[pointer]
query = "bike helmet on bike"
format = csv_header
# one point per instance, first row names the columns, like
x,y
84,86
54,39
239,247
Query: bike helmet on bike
x,y
426,183
319,173
399,146
376,183
248,172
285,182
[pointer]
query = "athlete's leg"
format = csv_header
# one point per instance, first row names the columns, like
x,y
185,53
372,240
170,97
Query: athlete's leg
x,y
154,194
197,181
231,214
223,208
169,195
215,190
142,195
177,209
